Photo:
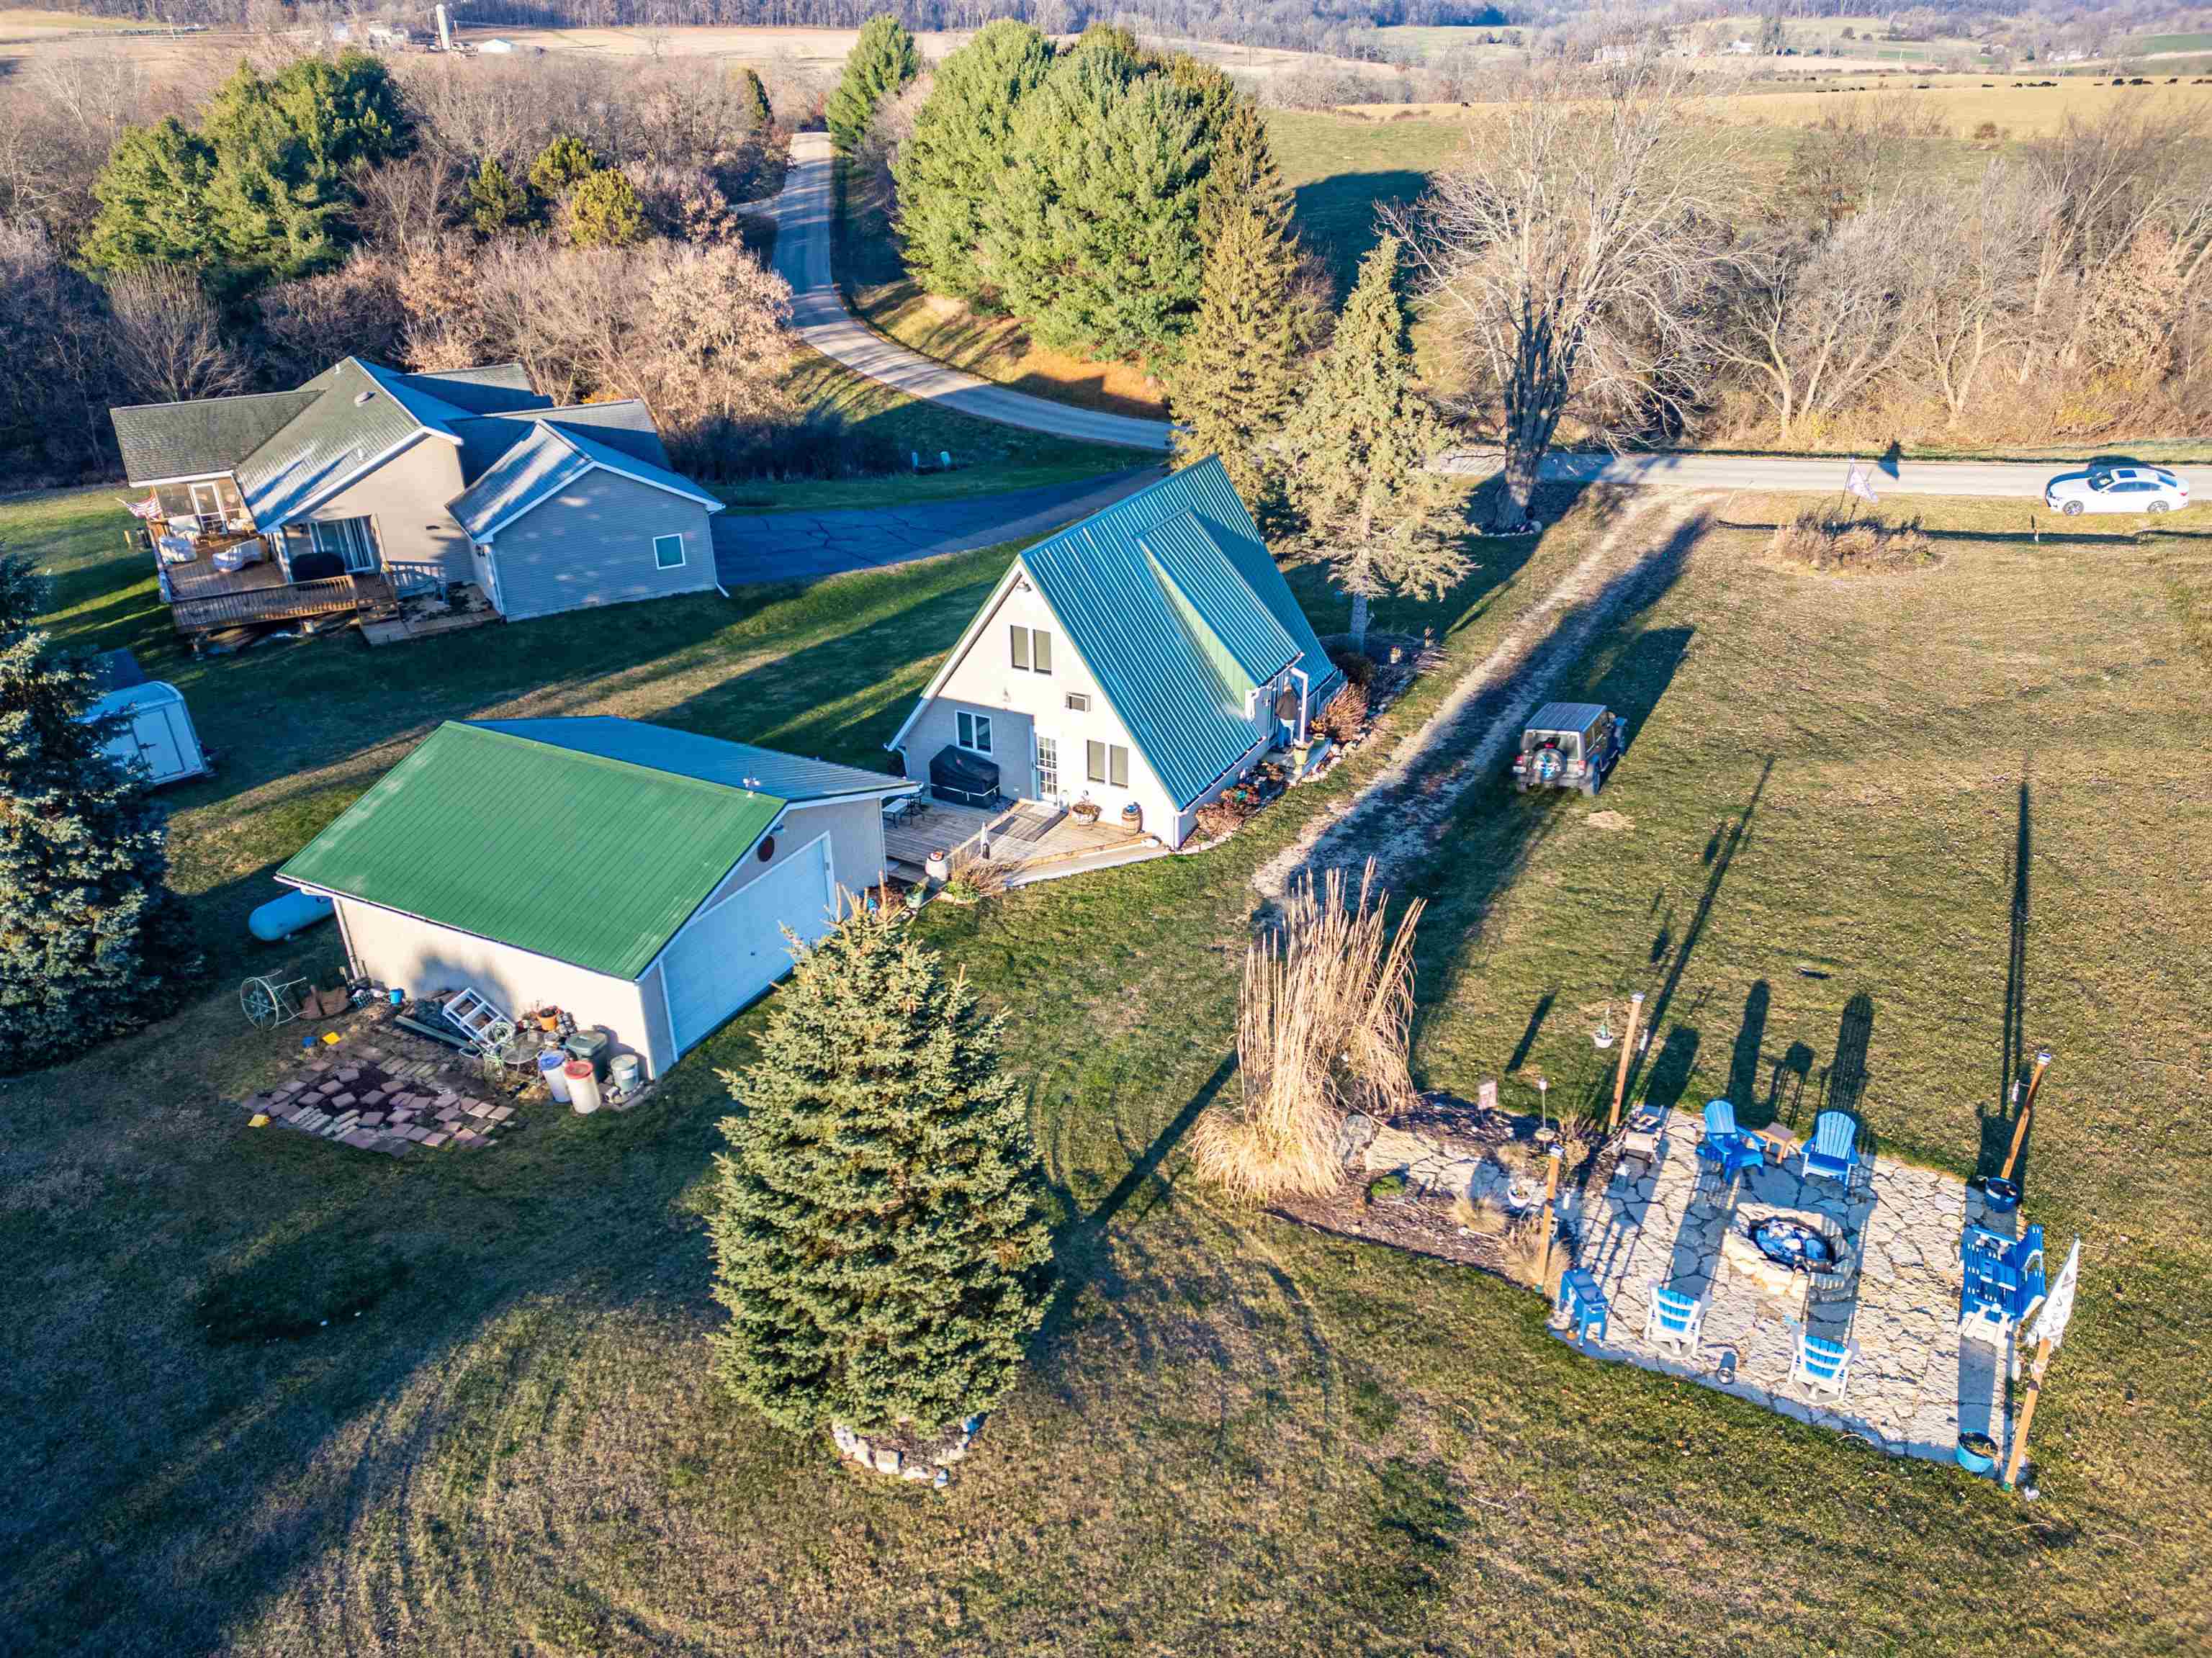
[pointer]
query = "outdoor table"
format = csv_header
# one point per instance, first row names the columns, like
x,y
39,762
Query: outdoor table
x,y
1780,1141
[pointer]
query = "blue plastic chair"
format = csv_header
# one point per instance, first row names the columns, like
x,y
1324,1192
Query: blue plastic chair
x,y
1584,1304
1725,1144
1832,1153
1674,1318
1823,1366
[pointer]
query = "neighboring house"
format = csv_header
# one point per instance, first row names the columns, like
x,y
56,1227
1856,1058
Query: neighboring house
x,y
367,483
638,877
1151,654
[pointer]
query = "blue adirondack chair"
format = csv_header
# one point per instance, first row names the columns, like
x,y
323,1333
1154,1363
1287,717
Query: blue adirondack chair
x,y
1833,1151
1823,1366
1725,1144
2004,1281
1674,1318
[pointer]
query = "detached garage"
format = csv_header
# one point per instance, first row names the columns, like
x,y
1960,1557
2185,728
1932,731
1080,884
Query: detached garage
x,y
637,877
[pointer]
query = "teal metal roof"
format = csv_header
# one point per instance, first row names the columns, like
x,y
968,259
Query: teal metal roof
x,y
587,860
551,458
708,759
1174,603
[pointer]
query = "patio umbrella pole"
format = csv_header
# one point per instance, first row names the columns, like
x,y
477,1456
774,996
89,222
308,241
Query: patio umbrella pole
x,y
2027,1411
2028,1105
1627,1047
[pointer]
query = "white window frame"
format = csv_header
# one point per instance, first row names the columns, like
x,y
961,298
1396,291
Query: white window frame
x,y
1078,703
346,545
683,553
1108,753
972,732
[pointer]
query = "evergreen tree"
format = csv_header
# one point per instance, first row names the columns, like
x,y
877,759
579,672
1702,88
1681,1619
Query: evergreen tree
x,y
496,202
92,941
882,61
759,116
1241,171
605,211
1359,450
1094,237
962,146
152,196
878,1222
564,163
1233,387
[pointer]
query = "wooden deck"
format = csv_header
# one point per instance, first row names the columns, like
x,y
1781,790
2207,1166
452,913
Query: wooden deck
x,y
204,599
1023,833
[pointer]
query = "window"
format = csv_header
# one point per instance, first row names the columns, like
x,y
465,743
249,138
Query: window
x,y
1078,702
668,552
975,731
1032,649
350,539
1107,763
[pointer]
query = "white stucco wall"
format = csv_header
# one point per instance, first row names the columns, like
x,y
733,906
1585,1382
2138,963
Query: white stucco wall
x,y
1025,706
425,959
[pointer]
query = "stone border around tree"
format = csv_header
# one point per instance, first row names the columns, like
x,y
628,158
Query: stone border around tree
x,y
932,1465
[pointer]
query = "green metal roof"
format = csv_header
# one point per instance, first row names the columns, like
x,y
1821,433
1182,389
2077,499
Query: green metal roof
x,y
788,777
1173,601
589,860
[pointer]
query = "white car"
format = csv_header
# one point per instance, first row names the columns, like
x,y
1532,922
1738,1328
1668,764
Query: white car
x,y
2116,489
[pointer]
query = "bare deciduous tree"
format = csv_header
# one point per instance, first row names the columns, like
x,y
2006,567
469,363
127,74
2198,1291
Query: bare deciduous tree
x,y
1570,248
168,338
1971,278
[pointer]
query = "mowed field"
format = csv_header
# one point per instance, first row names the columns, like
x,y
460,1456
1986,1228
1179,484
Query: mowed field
x,y
1236,1435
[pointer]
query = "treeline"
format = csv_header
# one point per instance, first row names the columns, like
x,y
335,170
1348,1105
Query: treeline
x,y
1303,25
575,215
2058,289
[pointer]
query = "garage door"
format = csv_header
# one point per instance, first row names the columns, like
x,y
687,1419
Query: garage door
x,y
735,950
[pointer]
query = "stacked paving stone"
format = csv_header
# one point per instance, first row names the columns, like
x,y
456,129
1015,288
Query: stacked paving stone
x,y
373,1100
932,1467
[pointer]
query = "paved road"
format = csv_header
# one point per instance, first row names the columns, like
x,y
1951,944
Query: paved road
x,y
802,259
1903,477
756,547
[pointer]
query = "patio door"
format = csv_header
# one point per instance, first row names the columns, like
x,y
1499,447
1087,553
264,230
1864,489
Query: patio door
x,y
352,540
1048,768
207,507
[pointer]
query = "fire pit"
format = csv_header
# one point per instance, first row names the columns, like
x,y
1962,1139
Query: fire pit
x,y
1792,1244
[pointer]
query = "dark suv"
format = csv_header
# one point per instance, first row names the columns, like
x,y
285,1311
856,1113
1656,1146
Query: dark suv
x,y
1569,745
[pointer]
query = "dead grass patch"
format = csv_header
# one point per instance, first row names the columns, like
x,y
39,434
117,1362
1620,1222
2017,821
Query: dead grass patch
x,y
1821,541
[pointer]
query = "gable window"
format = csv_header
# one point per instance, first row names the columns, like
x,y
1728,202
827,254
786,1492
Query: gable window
x,y
1108,763
1078,702
975,731
1032,649
668,552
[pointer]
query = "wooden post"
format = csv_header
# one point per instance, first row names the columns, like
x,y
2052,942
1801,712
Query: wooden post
x,y
2020,1128
1551,1225
2026,1412
1627,1047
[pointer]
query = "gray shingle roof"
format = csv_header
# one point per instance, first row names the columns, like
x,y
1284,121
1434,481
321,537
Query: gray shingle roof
x,y
627,426
199,439
553,456
707,759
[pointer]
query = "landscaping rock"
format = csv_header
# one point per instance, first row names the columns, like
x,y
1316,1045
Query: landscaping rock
x,y
888,1461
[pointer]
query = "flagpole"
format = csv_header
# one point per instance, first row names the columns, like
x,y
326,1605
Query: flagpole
x,y
2028,1105
2027,1413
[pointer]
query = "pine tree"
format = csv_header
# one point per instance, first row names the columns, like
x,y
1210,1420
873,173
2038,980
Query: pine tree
x,y
92,941
1359,447
878,1222
1232,389
957,160
564,163
152,196
496,202
604,211
753,96
882,61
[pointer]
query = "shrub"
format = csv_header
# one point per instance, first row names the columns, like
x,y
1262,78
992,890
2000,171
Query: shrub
x,y
1345,716
1385,1186
604,211
565,162
496,202
1821,543
1357,668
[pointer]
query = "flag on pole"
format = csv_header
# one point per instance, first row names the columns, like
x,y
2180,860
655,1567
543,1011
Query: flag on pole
x,y
150,507
1855,483
2058,1304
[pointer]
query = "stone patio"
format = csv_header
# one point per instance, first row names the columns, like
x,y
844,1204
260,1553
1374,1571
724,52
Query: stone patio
x,y
1914,1385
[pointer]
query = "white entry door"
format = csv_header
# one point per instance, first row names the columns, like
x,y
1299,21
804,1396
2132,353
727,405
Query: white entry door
x,y
1048,768
726,956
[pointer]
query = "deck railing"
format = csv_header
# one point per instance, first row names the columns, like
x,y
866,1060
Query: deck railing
x,y
407,579
295,601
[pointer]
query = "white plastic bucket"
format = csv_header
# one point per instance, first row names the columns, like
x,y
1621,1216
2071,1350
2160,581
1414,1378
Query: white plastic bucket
x,y
583,1086
549,1064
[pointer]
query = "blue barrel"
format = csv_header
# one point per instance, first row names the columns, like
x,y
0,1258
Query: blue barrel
x,y
295,912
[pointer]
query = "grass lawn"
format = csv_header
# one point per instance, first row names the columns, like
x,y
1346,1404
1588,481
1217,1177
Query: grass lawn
x,y
1238,1435
988,457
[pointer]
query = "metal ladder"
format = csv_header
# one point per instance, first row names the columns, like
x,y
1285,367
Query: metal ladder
x,y
473,1014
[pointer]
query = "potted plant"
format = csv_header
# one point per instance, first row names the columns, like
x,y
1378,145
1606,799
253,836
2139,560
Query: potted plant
x,y
1084,811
